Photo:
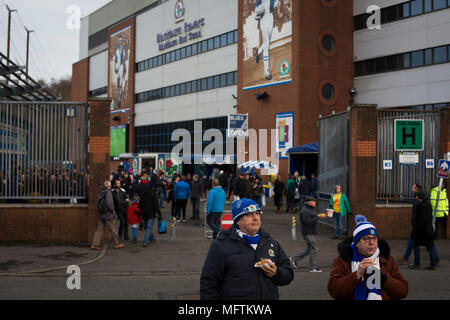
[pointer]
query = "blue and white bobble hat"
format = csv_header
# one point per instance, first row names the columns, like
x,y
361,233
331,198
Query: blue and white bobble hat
x,y
363,228
242,207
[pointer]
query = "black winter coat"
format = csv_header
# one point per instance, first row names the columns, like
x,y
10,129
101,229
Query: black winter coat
x,y
148,201
308,220
229,271
240,188
422,231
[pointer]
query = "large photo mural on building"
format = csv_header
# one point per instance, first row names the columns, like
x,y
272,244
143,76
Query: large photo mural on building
x,y
119,68
267,43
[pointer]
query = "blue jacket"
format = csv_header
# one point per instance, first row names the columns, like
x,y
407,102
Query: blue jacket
x,y
216,200
181,190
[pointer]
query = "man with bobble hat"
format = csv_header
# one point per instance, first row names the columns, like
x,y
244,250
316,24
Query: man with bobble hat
x,y
365,269
244,262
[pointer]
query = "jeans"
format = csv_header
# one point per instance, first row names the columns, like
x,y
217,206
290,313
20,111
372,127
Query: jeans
x,y
195,208
338,224
162,197
409,248
311,250
148,237
213,220
434,258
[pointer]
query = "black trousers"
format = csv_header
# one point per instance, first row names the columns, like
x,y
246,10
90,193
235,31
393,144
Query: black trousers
x,y
181,207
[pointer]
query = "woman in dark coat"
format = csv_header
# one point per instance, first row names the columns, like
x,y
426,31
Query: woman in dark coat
x,y
278,190
422,231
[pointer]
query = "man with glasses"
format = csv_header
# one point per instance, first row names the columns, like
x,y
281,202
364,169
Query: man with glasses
x,y
245,262
365,269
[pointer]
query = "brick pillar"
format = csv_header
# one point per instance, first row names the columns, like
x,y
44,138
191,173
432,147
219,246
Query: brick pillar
x,y
98,156
363,161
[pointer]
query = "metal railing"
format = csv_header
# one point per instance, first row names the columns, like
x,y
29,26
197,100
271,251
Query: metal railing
x,y
43,150
395,184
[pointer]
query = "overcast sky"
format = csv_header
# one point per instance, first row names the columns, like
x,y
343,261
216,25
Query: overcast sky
x,y
55,42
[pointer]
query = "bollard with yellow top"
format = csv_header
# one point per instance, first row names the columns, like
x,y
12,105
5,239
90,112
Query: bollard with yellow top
x,y
294,235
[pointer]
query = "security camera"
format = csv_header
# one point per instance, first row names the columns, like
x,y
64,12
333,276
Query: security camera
x,y
352,91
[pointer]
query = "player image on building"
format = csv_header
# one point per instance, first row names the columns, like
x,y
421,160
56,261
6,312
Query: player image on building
x,y
264,9
267,36
119,65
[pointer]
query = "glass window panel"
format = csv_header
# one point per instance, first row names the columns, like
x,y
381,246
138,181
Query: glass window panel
x,y
177,90
166,92
216,81
405,12
159,60
210,83
182,88
216,42
359,69
203,84
150,63
177,55
416,7
235,77
223,80
406,60
223,40
210,44
417,58
183,53
427,5
235,36
392,13
230,78
230,37
172,91
168,57
204,45
369,67
439,4
194,49
188,87
428,56
188,51
172,56
440,54
392,63
380,65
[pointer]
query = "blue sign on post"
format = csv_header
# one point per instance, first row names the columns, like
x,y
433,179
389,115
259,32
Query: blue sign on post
x,y
443,168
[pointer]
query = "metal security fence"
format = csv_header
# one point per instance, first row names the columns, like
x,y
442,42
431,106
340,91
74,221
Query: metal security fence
x,y
396,183
43,151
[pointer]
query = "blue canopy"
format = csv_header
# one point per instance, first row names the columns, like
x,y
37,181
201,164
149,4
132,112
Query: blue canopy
x,y
306,148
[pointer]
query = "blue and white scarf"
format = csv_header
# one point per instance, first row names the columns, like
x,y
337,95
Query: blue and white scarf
x,y
373,293
253,241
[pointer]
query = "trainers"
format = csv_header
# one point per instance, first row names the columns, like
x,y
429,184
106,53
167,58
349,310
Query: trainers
x,y
96,248
293,264
118,246
315,270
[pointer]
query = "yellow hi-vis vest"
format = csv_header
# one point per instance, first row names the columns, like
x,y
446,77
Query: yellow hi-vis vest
x,y
442,208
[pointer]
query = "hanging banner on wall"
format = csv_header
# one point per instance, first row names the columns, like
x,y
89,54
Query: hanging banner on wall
x,y
237,125
267,43
284,125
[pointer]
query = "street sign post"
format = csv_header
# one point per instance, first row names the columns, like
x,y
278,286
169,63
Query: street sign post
x,y
443,168
226,221
408,134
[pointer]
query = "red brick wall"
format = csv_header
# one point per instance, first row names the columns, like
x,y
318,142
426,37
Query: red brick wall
x,y
56,223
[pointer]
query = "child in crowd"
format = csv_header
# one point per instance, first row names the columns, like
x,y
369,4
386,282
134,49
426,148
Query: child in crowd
x,y
134,217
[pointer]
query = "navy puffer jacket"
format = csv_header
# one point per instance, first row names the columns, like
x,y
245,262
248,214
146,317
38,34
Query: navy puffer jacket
x,y
229,271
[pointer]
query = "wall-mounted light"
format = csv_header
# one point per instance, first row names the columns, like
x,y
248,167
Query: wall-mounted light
x,y
116,118
261,95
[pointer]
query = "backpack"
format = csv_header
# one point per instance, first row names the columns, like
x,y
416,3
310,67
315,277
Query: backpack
x,y
102,206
